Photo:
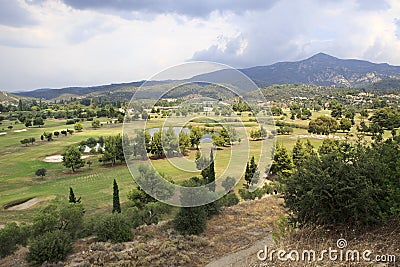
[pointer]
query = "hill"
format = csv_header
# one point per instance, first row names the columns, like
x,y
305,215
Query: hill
x,y
8,99
320,69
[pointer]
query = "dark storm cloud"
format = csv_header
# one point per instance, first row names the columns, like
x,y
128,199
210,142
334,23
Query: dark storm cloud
x,y
12,14
193,8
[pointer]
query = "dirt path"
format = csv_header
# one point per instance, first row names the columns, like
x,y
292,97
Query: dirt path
x,y
27,204
240,258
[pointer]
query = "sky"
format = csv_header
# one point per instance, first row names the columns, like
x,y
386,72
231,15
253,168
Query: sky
x,y
62,43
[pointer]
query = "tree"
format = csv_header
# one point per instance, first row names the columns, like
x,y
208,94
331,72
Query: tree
x,y
323,125
347,184
184,142
255,134
28,123
170,142
276,111
38,120
32,140
196,133
228,183
364,113
191,220
25,141
116,204
336,109
345,124
41,172
218,140
48,136
56,133
208,173
251,174
139,145
78,127
95,124
301,152
363,127
386,117
113,149
282,164
72,158
156,144
201,161
72,198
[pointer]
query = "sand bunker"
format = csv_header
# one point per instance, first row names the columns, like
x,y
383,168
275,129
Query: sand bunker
x,y
27,204
3,133
19,131
58,158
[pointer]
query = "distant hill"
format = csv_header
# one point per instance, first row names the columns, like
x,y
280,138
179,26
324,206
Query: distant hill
x,y
8,99
77,91
320,69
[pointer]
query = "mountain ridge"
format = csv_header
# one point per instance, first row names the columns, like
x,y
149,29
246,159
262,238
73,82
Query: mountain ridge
x,y
319,69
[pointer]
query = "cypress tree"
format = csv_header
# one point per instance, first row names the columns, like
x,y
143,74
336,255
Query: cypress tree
x,y
211,172
116,204
209,178
72,198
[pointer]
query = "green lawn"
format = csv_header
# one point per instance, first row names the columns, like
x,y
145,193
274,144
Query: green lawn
x,y
94,185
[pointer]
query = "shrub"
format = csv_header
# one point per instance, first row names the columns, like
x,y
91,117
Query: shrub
x,y
68,122
113,227
11,236
247,195
191,220
49,247
229,200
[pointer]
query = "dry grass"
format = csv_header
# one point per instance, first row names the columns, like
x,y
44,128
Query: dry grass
x,y
381,241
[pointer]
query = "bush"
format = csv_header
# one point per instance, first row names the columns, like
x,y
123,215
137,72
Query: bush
x,y
351,184
229,200
11,236
68,122
49,247
191,220
113,227
247,195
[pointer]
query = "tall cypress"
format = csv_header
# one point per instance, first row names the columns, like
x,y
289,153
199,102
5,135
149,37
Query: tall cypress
x,y
211,172
116,204
72,198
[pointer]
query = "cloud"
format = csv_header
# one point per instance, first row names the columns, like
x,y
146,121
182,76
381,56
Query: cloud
x,y
191,8
373,5
14,15
294,30
58,43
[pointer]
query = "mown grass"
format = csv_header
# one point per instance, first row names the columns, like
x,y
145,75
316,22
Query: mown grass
x,y
94,185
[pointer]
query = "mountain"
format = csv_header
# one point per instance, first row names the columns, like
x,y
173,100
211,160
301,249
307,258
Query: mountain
x,y
320,69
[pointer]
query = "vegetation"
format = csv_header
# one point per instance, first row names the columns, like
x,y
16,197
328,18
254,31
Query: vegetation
x,y
116,204
72,158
